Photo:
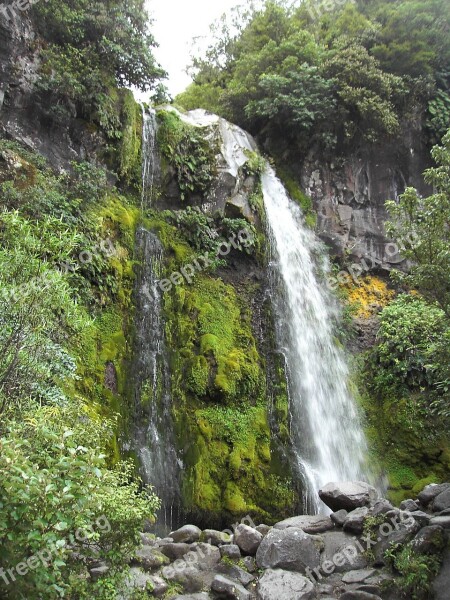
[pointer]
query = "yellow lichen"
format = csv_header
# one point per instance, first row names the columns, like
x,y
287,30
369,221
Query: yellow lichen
x,y
368,296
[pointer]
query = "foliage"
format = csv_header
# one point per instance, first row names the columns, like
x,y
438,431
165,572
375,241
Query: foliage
x,y
421,228
417,571
57,495
189,151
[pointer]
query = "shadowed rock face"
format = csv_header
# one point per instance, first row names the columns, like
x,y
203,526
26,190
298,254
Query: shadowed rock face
x,y
349,194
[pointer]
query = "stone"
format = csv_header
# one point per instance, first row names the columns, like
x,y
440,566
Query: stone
x,y
430,492
442,502
150,558
235,572
229,588
421,517
215,538
201,596
342,550
441,585
290,549
230,551
186,534
441,521
137,579
263,529
207,556
158,585
429,540
348,495
381,507
285,585
409,505
309,524
98,572
339,517
247,538
189,577
358,595
147,539
358,576
369,589
175,551
354,522
404,533
250,564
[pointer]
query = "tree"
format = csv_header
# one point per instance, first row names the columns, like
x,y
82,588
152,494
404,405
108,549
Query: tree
x,y
421,227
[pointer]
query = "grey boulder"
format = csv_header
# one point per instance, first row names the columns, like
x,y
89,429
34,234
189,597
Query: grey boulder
x,y
228,588
247,538
354,522
285,585
309,524
216,538
187,534
442,501
348,495
230,551
430,492
291,549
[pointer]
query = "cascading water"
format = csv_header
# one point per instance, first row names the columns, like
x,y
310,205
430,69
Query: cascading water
x,y
153,436
327,437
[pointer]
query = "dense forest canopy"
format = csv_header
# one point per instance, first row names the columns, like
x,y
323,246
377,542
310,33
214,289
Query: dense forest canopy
x,y
332,75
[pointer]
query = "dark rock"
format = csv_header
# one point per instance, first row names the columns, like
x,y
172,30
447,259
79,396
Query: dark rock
x,y
285,585
441,521
263,529
358,595
354,522
230,551
441,585
339,517
342,550
369,589
309,524
250,564
409,505
442,502
404,533
236,573
429,540
421,517
98,572
381,507
348,495
247,538
207,556
430,492
227,588
175,551
187,534
290,549
150,558
359,576
216,538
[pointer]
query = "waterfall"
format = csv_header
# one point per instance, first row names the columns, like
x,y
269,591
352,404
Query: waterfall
x,y
326,433
153,436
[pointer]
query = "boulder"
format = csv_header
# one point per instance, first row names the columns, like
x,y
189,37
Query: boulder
x,y
381,507
247,538
442,501
230,551
354,522
441,521
421,517
207,556
189,577
348,495
201,596
342,550
285,585
309,524
97,573
404,533
228,588
339,517
441,584
147,539
409,505
263,529
215,538
249,563
137,579
290,549
187,534
429,540
358,595
358,576
236,573
149,558
175,551
430,492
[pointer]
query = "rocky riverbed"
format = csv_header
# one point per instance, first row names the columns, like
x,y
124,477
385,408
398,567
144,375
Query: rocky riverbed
x,y
365,550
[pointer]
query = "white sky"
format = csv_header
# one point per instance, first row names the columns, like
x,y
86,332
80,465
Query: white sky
x,y
176,23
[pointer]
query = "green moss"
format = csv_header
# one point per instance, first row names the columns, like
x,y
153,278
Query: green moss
x,y
131,141
295,192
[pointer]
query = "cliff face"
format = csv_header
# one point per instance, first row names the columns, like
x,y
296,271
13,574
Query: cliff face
x,y
349,194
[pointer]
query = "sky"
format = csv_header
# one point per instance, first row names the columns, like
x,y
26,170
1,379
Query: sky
x,y
176,23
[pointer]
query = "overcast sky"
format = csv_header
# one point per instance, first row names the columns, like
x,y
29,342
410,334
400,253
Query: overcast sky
x,y
176,23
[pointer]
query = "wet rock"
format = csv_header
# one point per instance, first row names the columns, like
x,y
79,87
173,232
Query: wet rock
x,y
429,540
348,495
430,492
354,522
150,558
290,549
227,588
339,517
309,524
285,585
216,538
442,501
230,551
187,534
409,505
247,538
